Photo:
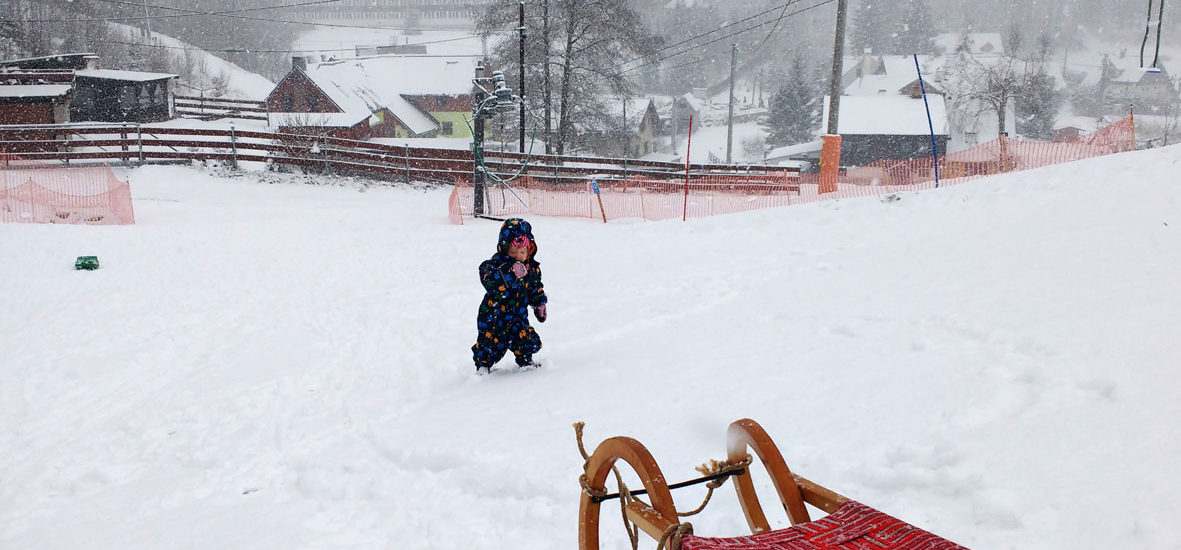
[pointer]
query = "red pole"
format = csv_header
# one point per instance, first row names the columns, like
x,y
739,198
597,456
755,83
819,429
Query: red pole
x,y
688,146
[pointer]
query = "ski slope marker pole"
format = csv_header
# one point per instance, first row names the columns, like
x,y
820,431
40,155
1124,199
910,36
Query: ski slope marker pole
x,y
688,147
930,125
595,188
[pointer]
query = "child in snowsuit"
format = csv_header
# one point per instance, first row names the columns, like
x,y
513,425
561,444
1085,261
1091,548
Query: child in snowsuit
x,y
512,279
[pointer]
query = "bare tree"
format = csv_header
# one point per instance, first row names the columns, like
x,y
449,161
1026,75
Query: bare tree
x,y
991,81
573,56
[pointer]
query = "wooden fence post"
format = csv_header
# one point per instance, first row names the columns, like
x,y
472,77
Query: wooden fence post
x,y
139,140
234,144
123,142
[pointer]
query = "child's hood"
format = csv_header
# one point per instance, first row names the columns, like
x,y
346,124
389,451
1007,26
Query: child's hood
x,y
511,229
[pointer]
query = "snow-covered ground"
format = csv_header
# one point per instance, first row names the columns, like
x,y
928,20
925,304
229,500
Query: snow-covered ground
x,y
261,364
711,140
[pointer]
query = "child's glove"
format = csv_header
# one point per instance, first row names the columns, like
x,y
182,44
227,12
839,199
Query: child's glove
x,y
519,269
539,311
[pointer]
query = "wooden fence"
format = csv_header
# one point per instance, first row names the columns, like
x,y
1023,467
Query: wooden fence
x,y
130,143
209,108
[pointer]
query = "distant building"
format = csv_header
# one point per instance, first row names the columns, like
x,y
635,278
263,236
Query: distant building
x,y
889,127
61,62
975,43
98,95
1123,82
34,103
1066,134
104,95
637,136
407,96
426,14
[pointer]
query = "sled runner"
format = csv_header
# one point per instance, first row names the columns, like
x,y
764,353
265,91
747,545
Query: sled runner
x,y
848,525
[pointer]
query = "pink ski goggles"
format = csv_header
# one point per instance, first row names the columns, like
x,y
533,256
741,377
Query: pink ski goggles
x,y
521,241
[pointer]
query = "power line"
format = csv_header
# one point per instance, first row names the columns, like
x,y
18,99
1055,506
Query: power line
x,y
770,32
719,39
252,50
722,28
188,13
268,19
225,13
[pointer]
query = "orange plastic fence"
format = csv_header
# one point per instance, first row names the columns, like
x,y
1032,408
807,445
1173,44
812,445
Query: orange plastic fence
x,y
652,199
634,197
37,192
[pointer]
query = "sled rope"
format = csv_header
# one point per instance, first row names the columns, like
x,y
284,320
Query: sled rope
x,y
625,496
715,474
719,472
673,535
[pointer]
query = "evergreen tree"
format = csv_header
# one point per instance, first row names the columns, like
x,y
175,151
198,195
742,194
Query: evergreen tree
x,y
794,114
870,28
1037,105
917,30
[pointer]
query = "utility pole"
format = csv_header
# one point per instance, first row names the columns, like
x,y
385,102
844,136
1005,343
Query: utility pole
x,y
545,75
830,151
478,142
626,133
521,88
148,21
730,117
838,54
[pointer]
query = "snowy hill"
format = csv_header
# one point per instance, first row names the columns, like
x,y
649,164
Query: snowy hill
x,y
205,67
263,365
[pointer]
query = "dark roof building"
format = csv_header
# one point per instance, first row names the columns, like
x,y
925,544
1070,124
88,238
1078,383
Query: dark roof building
x,y
103,95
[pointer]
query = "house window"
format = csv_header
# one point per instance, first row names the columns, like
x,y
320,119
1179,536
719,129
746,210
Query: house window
x,y
288,103
447,128
313,102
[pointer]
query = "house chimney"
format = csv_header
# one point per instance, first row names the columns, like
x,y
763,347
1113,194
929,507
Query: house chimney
x,y
91,62
299,62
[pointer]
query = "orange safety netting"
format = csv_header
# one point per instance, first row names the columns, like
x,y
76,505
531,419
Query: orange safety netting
x,y
39,192
653,199
634,197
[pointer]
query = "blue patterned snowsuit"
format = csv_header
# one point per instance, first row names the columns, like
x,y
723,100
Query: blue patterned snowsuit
x,y
503,319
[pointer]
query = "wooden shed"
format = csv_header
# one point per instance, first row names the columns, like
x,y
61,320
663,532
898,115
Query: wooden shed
x,y
104,95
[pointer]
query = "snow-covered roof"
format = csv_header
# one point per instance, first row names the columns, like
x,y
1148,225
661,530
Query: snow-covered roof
x,y
403,74
134,76
978,42
797,149
1127,69
413,118
896,115
661,157
696,103
888,73
332,120
664,105
35,90
368,84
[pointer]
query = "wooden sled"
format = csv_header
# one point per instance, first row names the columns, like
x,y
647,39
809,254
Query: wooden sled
x,y
849,524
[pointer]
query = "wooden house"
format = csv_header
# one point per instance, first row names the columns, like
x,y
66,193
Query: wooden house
x,y
400,96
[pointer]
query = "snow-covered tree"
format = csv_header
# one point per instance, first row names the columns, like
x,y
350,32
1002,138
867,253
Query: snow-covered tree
x,y
1037,105
917,30
870,27
794,108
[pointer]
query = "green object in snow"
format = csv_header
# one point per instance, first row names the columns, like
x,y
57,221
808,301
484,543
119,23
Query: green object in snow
x,y
86,262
